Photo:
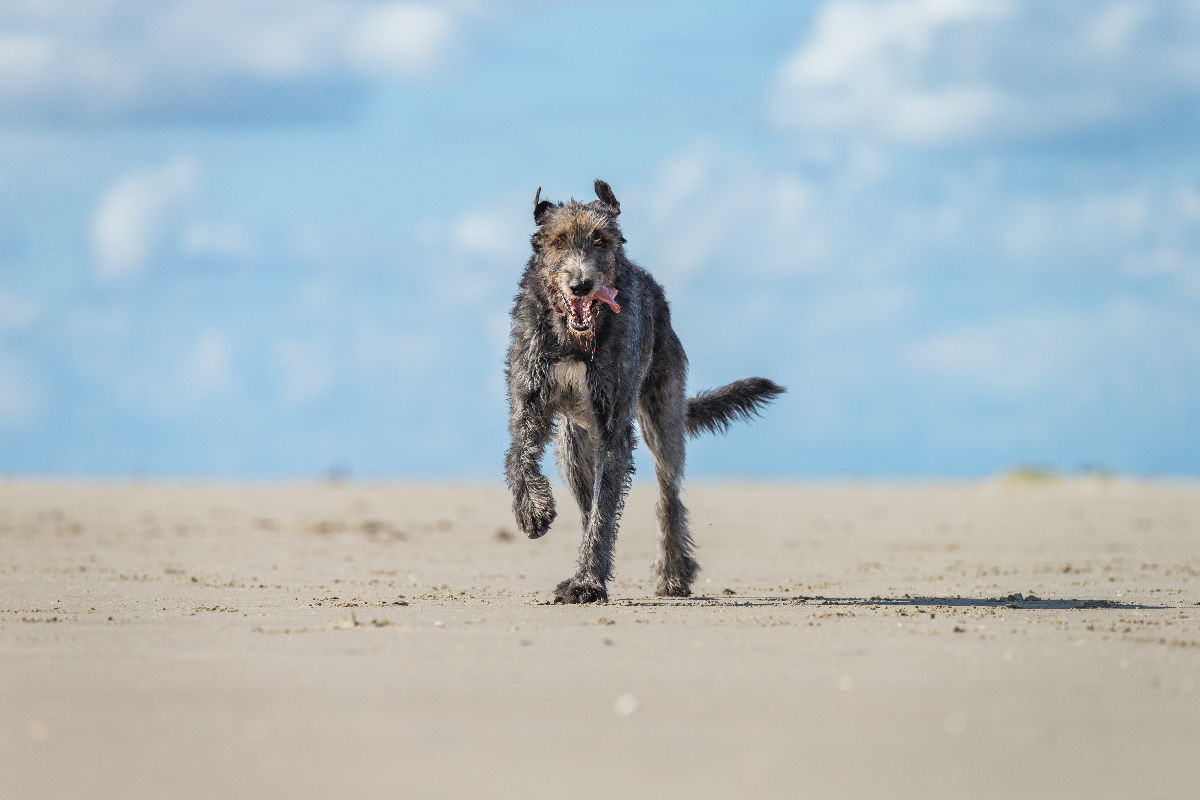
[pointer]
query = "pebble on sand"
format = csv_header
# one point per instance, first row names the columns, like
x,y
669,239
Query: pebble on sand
x,y
625,705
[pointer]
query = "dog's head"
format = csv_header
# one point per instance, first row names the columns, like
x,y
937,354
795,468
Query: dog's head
x,y
577,248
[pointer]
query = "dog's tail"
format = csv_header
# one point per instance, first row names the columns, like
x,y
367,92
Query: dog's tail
x,y
713,411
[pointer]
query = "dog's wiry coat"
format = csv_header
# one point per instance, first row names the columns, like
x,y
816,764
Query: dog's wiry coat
x,y
581,367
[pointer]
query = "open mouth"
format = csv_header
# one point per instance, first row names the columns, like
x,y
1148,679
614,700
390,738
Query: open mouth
x,y
581,311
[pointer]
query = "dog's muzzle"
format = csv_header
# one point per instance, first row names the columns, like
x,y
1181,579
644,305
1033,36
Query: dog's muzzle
x,y
581,311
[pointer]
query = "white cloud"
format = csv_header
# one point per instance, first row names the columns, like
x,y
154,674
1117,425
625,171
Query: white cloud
x,y
868,224
710,212
1144,232
484,248
1050,225
707,208
217,58
863,269
129,222
929,72
1115,25
398,38
168,377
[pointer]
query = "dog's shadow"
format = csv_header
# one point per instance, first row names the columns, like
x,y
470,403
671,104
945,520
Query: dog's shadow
x,y
1013,601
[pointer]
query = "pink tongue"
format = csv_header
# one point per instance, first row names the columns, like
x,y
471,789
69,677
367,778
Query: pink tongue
x,y
607,294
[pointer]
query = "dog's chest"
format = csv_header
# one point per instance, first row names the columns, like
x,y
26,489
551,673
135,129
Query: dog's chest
x,y
569,392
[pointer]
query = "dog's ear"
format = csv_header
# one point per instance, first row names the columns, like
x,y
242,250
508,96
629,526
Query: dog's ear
x,y
605,193
540,209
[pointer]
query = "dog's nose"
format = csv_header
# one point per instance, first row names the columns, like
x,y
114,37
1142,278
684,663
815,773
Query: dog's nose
x,y
581,288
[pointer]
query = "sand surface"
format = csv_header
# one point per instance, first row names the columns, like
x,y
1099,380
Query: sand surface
x,y
325,641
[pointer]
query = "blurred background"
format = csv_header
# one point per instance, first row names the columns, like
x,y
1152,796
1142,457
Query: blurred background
x,y
280,239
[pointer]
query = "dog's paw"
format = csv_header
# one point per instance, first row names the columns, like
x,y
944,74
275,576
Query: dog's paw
x,y
675,580
534,507
577,590
670,588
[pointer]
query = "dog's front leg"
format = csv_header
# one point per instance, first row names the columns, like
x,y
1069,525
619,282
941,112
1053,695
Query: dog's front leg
x,y
614,466
530,427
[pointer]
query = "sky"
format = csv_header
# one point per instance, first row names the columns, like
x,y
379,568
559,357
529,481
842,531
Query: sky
x,y
280,239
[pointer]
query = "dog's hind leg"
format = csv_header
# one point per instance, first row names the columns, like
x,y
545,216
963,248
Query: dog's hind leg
x,y
662,411
575,452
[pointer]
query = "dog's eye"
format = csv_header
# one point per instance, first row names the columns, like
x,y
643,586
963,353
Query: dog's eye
x,y
558,241
598,241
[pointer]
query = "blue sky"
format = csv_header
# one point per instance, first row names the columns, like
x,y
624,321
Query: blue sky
x,y
271,239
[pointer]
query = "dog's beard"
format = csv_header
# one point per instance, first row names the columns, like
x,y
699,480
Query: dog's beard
x,y
580,314
580,321
585,339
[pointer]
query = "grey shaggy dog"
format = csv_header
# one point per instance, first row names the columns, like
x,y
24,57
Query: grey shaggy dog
x,y
591,348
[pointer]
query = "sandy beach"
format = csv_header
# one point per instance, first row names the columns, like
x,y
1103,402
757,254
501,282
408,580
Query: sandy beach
x,y
993,640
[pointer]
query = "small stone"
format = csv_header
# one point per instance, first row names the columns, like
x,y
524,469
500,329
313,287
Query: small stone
x,y
626,705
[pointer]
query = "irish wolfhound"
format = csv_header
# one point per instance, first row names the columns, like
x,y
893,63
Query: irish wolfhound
x,y
592,347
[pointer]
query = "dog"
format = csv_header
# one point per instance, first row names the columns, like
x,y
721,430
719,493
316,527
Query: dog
x,y
592,348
